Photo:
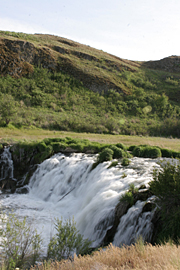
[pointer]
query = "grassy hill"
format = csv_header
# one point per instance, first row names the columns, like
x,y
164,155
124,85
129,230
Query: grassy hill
x,y
54,83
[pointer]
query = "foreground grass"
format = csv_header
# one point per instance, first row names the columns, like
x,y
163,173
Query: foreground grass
x,y
12,135
134,257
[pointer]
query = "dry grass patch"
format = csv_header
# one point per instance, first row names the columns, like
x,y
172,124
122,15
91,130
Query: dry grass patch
x,y
139,256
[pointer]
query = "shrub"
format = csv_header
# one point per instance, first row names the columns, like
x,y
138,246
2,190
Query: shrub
x,y
66,241
166,153
133,189
77,146
58,146
138,151
147,151
20,242
113,164
128,198
131,148
166,186
121,145
152,152
125,162
40,157
118,152
105,155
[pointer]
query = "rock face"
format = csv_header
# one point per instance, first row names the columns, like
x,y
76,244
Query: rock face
x,y
19,57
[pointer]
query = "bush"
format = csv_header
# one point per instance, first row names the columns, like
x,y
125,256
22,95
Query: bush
x,y
66,241
121,145
138,151
58,146
20,242
125,162
147,151
105,155
128,198
166,153
131,148
118,152
152,152
113,164
166,186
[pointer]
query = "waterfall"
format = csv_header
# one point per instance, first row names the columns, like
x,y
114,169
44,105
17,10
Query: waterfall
x,y
133,225
6,164
66,186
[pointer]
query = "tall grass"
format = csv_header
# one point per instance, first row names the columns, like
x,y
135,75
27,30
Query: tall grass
x,y
138,256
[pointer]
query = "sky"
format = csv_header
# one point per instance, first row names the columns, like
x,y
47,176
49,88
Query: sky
x,y
131,29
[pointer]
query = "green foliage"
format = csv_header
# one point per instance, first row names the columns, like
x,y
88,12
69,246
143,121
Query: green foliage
x,y
133,189
138,151
125,162
118,152
113,164
20,242
166,186
131,148
8,107
121,145
166,152
128,198
105,155
66,241
58,101
44,154
146,151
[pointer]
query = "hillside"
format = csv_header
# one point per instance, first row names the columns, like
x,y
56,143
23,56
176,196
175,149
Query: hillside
x,y
56,83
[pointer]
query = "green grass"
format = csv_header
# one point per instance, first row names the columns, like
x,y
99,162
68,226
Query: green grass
x,y
15,135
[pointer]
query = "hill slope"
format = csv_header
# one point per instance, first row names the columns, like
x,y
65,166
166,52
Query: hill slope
x,y
60,84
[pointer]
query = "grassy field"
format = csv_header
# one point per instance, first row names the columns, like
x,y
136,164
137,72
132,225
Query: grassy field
x,y
14,135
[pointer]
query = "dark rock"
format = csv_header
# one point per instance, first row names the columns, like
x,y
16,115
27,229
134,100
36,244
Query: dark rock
x,y
8,184
142,195
22,190
148,207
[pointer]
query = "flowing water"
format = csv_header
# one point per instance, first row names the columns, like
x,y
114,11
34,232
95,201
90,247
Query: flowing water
x,y
65,186
6,164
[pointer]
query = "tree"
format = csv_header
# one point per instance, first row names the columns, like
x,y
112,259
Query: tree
x,y
20,242
8,107
67,241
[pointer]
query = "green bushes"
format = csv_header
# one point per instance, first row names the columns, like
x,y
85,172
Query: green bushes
x,y
66,241
117,152
128,196
166,186
105,155
20,243
125,162
146,151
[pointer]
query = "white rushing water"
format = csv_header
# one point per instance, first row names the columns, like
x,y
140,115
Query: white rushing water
x,y
67,187
6,163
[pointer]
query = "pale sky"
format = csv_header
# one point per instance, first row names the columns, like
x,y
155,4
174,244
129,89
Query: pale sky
x,y
130,29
